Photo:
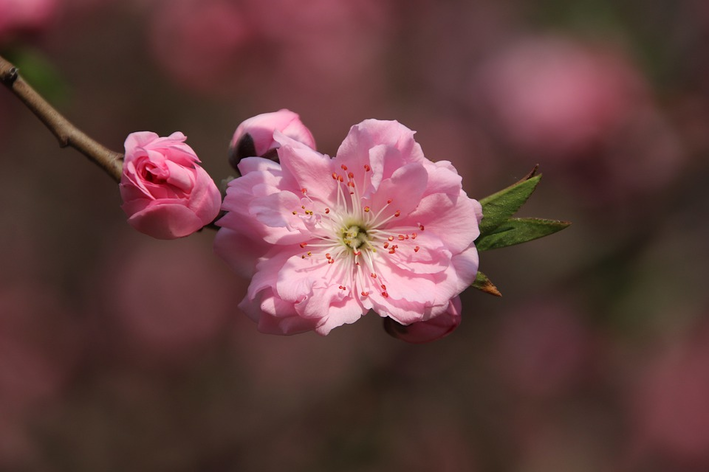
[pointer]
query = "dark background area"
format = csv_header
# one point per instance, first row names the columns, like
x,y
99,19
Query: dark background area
x,y
119,352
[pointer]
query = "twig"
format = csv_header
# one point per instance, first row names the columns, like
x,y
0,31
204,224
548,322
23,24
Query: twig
x,y
65,132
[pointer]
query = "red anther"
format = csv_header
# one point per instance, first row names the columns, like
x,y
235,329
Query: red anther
x,y
340,179
327,210
304,190
421,227
327,255
350,175
302,245
401,237
344,167
366,209
358,253
351,183
397,214
364,294
384,287
334,175
390,238
389,201
416,249
367,168
413,235
385,295
373,275
386,245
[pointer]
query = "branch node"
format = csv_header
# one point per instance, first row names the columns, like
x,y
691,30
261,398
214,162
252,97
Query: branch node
x,y
12,75
9,76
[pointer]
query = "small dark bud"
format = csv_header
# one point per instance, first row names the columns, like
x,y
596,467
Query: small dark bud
x,y
244,147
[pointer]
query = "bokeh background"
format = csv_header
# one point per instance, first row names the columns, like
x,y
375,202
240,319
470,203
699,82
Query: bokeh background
x,y
118,352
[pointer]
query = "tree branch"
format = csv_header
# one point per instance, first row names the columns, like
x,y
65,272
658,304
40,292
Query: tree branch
x,y
66,133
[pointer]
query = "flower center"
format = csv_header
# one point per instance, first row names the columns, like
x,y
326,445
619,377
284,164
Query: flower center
x,y
354,236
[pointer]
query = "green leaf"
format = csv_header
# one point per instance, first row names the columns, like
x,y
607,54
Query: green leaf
x,y
499,207
518,231
483,284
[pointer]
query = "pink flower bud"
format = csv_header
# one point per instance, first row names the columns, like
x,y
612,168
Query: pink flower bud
x,y
166,194
254,137
429,330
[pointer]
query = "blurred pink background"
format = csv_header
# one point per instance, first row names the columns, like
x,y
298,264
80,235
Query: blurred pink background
x,y
119,352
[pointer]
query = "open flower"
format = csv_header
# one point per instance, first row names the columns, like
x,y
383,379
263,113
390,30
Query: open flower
x,y
166,194
379,227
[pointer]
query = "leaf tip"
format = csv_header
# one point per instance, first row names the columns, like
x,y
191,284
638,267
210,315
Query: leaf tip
x,y
484,284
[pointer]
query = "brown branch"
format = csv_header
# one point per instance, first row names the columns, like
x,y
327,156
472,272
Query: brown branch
x,y
65,132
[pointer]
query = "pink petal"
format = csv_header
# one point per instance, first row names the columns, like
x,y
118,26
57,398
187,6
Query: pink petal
x,y
275,316
309,169
404,189
446,217
166,221
430,330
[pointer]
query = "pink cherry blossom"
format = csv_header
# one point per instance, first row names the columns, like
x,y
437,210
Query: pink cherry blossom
x,y
166,194
379,227
254,137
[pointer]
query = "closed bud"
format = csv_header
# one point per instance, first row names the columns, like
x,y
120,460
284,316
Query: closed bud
x,y
255,136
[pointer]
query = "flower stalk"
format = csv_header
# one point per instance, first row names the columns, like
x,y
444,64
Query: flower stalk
x,y
66,133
